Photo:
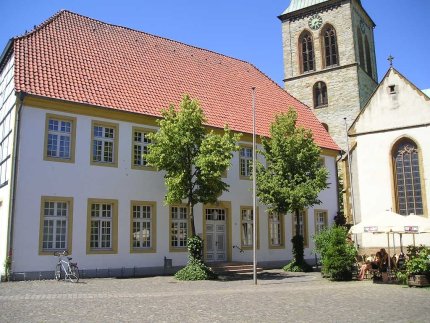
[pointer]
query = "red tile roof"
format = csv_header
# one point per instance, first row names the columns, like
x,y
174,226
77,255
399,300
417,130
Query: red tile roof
x,y
79,59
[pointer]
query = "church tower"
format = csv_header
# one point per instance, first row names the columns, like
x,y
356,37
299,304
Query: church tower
x,y
329,59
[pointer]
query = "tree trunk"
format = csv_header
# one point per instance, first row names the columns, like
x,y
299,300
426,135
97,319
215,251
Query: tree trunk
x,y
191,215
297,213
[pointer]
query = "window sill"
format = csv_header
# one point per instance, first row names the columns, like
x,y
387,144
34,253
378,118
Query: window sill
x,y
143,250
178,249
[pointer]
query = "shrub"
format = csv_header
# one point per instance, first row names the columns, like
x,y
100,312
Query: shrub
x,y
419,261
196,268
337,254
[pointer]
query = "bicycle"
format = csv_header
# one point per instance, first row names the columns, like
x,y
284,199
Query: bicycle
x,y
70,269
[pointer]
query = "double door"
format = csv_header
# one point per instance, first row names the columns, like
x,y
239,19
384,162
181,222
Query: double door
x,y
216,244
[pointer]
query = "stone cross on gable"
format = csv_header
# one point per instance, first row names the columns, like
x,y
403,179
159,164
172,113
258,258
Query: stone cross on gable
x,y
390,59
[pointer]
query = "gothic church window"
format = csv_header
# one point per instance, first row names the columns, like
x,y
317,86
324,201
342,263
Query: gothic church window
x,y
407,178
330,51
360,47
320,95
368,57
307,52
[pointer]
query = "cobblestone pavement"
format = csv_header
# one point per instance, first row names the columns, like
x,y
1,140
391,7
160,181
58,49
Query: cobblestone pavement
x,y
278,297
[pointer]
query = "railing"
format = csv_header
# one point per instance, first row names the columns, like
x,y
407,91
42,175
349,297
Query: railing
x,y
237,247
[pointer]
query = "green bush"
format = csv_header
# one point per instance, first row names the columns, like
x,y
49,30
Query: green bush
x,y
337,254
419,261
196,268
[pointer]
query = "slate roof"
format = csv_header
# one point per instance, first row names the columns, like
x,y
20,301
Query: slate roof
x,y
75,58
296,5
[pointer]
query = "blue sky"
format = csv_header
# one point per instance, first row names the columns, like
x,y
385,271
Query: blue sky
x,y
244,29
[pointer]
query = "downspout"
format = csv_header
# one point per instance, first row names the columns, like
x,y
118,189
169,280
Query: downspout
x,y
14,174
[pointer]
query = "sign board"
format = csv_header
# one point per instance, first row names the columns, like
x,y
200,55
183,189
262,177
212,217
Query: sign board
x,y
411,229
371,229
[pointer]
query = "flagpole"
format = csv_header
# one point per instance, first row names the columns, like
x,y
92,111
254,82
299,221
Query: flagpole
x,y
254,197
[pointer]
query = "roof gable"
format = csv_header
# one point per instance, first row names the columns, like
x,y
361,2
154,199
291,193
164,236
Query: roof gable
x,y
75,58
396,103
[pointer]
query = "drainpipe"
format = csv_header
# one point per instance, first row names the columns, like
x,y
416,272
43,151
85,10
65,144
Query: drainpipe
x,y
14,173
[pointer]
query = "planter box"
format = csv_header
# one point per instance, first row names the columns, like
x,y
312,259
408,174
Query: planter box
x,y
418,281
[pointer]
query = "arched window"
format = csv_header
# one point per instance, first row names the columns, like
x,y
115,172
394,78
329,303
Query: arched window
x,y
360,47
330,46
407,178
368,57
320,95
307,52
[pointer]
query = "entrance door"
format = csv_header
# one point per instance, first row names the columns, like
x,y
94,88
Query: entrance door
x,y
216,235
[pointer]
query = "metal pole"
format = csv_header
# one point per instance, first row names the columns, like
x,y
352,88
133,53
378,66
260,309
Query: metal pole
x,y
254,197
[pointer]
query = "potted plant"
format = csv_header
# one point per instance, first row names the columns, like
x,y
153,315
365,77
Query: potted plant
x,y
418,268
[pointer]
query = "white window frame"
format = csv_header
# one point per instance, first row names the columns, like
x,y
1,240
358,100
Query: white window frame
x,y
247,225
56,222
320,220
179,227
245,162
275,231
103,137
59,138
103,216
140,148
142,221
56,213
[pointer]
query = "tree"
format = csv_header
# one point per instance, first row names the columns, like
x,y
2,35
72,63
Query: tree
x,y
293,176
193,158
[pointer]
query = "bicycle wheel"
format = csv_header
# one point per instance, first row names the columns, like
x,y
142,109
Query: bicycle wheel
x,y
57,273
74,274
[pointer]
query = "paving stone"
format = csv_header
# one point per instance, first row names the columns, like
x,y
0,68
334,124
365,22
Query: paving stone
x,y
278,296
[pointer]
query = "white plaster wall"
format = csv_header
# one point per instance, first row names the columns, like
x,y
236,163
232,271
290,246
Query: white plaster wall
x,y
7,118
376,182
81,181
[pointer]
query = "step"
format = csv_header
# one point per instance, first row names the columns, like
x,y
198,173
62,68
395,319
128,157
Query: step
x,y
234,268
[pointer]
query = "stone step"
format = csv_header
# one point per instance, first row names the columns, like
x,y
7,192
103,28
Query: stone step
x,y
234,269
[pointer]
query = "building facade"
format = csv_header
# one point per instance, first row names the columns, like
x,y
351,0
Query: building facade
x,y
391,157
329,59
78,97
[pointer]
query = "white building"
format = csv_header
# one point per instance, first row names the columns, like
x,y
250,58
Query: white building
x,y
77,97
391,156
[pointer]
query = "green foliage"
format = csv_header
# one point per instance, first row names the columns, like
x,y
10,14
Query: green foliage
x,y
402,277
192,158
196,268
195,248
8,266
293,266
419,261
293,176
337,254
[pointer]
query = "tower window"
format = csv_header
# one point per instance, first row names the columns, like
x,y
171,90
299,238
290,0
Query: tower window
x,y
307,52
368,57
360,47
407,178
392,89
330,46
320,95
